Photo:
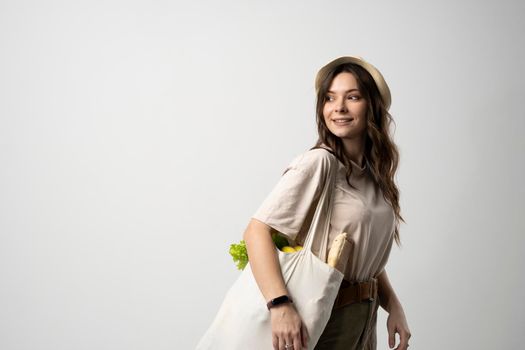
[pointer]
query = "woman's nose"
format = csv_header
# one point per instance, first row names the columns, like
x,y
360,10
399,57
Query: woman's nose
x,y
341,107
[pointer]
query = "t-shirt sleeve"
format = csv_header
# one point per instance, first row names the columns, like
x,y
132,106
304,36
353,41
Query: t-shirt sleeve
x,y
287,205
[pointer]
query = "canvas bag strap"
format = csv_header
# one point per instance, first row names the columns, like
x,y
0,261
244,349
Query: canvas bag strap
x,y
320,225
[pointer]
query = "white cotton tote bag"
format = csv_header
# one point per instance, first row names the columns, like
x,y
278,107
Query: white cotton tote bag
x,y
243,320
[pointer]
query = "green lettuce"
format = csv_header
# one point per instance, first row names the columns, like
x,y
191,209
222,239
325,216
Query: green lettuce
x,y
239,252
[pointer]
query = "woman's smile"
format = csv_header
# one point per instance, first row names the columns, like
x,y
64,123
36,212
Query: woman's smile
x,y
342,122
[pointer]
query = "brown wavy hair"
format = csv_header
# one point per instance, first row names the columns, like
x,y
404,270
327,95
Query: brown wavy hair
x,y
381,154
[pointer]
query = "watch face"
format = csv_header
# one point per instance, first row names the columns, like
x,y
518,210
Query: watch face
x,y
279,300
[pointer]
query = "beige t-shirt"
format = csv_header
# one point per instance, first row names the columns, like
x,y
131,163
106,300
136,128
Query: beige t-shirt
x,y
363,213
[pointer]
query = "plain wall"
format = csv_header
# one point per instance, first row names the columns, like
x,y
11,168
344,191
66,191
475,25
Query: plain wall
x,y
138,137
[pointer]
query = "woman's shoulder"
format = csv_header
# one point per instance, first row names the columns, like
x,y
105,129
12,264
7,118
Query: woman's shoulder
x,y
313,160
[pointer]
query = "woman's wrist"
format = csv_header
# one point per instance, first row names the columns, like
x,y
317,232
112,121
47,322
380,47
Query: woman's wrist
x,y
282,309
394,305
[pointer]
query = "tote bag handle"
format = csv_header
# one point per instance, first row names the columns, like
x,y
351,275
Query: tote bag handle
x,y
321,219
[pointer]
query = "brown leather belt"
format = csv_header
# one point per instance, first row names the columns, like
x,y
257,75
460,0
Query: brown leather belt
x,y
354,292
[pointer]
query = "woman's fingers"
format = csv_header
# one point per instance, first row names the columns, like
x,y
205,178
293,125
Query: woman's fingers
x,y
297,344
292,339
391,337
287,341
304,336
275,342
281,344
403,340
298,341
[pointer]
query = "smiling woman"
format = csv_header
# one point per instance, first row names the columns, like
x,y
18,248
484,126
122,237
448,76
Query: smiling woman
x,y
354,144
353,124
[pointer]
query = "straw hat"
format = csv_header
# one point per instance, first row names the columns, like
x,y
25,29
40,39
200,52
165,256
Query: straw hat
x,y
374,72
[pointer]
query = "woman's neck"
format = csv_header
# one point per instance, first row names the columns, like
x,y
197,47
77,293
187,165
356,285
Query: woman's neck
x,y
354,149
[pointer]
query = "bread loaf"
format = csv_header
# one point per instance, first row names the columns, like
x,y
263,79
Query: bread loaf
x,y
339,253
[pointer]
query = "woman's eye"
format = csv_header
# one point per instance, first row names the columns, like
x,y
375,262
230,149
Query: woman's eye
x,y
329,98
353,97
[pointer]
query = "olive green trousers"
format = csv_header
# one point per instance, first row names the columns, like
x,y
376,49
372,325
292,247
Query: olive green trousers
x,y
351,327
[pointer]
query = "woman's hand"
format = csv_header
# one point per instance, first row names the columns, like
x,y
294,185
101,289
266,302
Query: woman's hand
x,y
397,323
287,328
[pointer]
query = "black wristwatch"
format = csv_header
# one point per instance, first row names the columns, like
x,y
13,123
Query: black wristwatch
x,y
279,300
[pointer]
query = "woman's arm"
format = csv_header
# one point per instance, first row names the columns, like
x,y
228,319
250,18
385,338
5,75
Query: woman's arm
x,y
263,259
287,325
387,296
396,322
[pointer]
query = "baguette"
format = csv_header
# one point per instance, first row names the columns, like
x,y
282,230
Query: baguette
x,y
339,253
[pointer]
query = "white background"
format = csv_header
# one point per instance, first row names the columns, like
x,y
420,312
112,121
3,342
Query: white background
x,y
138,137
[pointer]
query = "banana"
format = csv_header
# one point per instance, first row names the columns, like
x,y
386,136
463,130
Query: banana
x,y
339,253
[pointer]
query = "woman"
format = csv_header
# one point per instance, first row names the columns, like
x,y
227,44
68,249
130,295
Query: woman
x,y
353,124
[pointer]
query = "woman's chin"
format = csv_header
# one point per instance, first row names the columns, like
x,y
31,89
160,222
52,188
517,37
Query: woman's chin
x,y
341,133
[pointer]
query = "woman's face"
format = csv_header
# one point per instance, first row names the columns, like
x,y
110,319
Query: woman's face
x,y
345,101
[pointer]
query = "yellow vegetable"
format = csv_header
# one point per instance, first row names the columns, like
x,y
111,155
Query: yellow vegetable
x,y
298,248
288,249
